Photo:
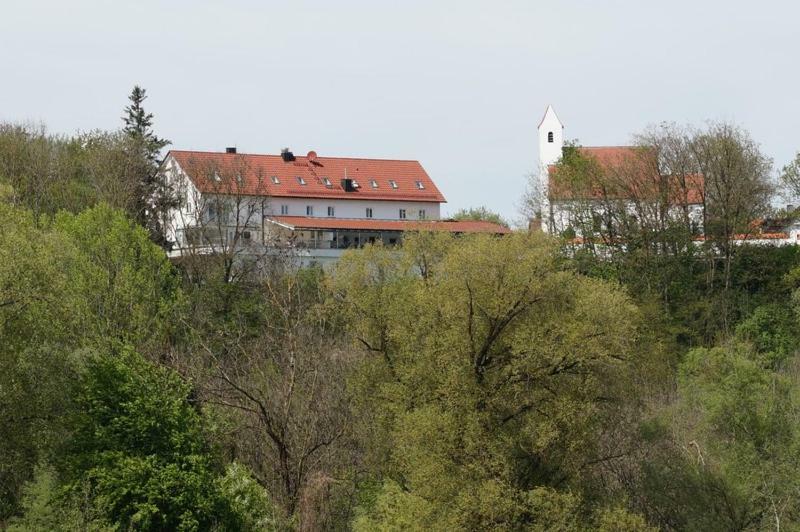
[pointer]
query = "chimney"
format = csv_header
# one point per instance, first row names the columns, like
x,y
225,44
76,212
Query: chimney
x,y
287,155
230,149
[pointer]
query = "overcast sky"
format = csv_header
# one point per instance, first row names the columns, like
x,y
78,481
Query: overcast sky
x,y
459,86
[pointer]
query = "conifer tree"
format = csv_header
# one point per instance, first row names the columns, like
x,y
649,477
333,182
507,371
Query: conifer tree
x,y
153,195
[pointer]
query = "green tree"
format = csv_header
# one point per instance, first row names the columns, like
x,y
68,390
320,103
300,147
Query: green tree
x,y
153,197
492,381
480,214
138,449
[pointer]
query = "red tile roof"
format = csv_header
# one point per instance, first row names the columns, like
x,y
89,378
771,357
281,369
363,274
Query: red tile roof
x,y
364,224
257,172
632,161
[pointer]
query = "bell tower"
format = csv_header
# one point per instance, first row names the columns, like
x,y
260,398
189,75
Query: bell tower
x,y
551,143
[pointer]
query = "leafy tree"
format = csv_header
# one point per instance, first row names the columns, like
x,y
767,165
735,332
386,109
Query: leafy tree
x,y
131,288
490,384
40,310
138,448
740,422
479,214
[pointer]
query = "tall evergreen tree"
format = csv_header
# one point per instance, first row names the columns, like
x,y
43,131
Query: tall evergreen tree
x,y
153,195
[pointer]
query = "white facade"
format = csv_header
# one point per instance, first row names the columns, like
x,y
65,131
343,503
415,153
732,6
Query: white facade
x,y
551,144
235,220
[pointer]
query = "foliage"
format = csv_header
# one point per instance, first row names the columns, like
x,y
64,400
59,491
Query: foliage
x,y
138,448
487,393
479,214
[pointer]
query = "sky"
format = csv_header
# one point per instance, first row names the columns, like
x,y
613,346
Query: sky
x,y
458,85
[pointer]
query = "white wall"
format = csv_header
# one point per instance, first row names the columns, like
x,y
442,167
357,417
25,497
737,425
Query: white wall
x,y
355,208
192,203
549,153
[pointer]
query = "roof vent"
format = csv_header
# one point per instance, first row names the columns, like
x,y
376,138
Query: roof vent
x,y
230,149
287,155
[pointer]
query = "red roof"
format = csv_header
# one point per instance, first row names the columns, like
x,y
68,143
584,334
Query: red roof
x,y
220,173
636,167
364,224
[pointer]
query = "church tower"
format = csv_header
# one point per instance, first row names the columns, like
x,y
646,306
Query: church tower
x,y
551,143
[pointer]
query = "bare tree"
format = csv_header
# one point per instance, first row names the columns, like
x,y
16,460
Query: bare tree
x,y
283,391
736,184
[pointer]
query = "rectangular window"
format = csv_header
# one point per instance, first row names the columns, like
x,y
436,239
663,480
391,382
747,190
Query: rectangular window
x,y
402,214
275,180
327,182
393,183
369,212
330,211
309,210
284,209
301,180
421,214
420,185
373,183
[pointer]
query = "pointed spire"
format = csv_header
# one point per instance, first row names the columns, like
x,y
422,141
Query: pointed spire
x,y
549,112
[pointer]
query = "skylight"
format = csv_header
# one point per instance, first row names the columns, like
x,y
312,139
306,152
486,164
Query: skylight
x,y
327,182
373,183
301,180
275,180
420,185
393,183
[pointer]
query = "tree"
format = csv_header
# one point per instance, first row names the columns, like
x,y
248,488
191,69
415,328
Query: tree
x,y
152,197
790,177
489,384
138,450
480,214
273,369
736,184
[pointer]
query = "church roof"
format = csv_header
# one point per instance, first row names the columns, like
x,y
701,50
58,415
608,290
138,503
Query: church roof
x,y
627,172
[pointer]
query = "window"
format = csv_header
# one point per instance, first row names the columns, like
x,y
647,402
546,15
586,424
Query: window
x,y
420,186
309,210
421,214
402,214
284,209
327,182
330,211
275,180
369,212
373,183
217,177
549,136
393,183
355,183
301,180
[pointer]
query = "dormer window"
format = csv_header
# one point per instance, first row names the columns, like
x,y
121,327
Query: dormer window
x,y
550,136
393,183
420,186
373,183
275,180
327,182
301,180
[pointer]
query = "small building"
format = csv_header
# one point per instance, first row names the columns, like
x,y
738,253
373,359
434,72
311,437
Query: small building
x,y
315,206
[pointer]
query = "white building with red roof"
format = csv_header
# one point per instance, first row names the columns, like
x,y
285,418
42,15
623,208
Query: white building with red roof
x,y
633,169
317,206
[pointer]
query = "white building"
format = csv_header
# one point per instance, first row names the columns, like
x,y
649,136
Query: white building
x,y
316,206
558,206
